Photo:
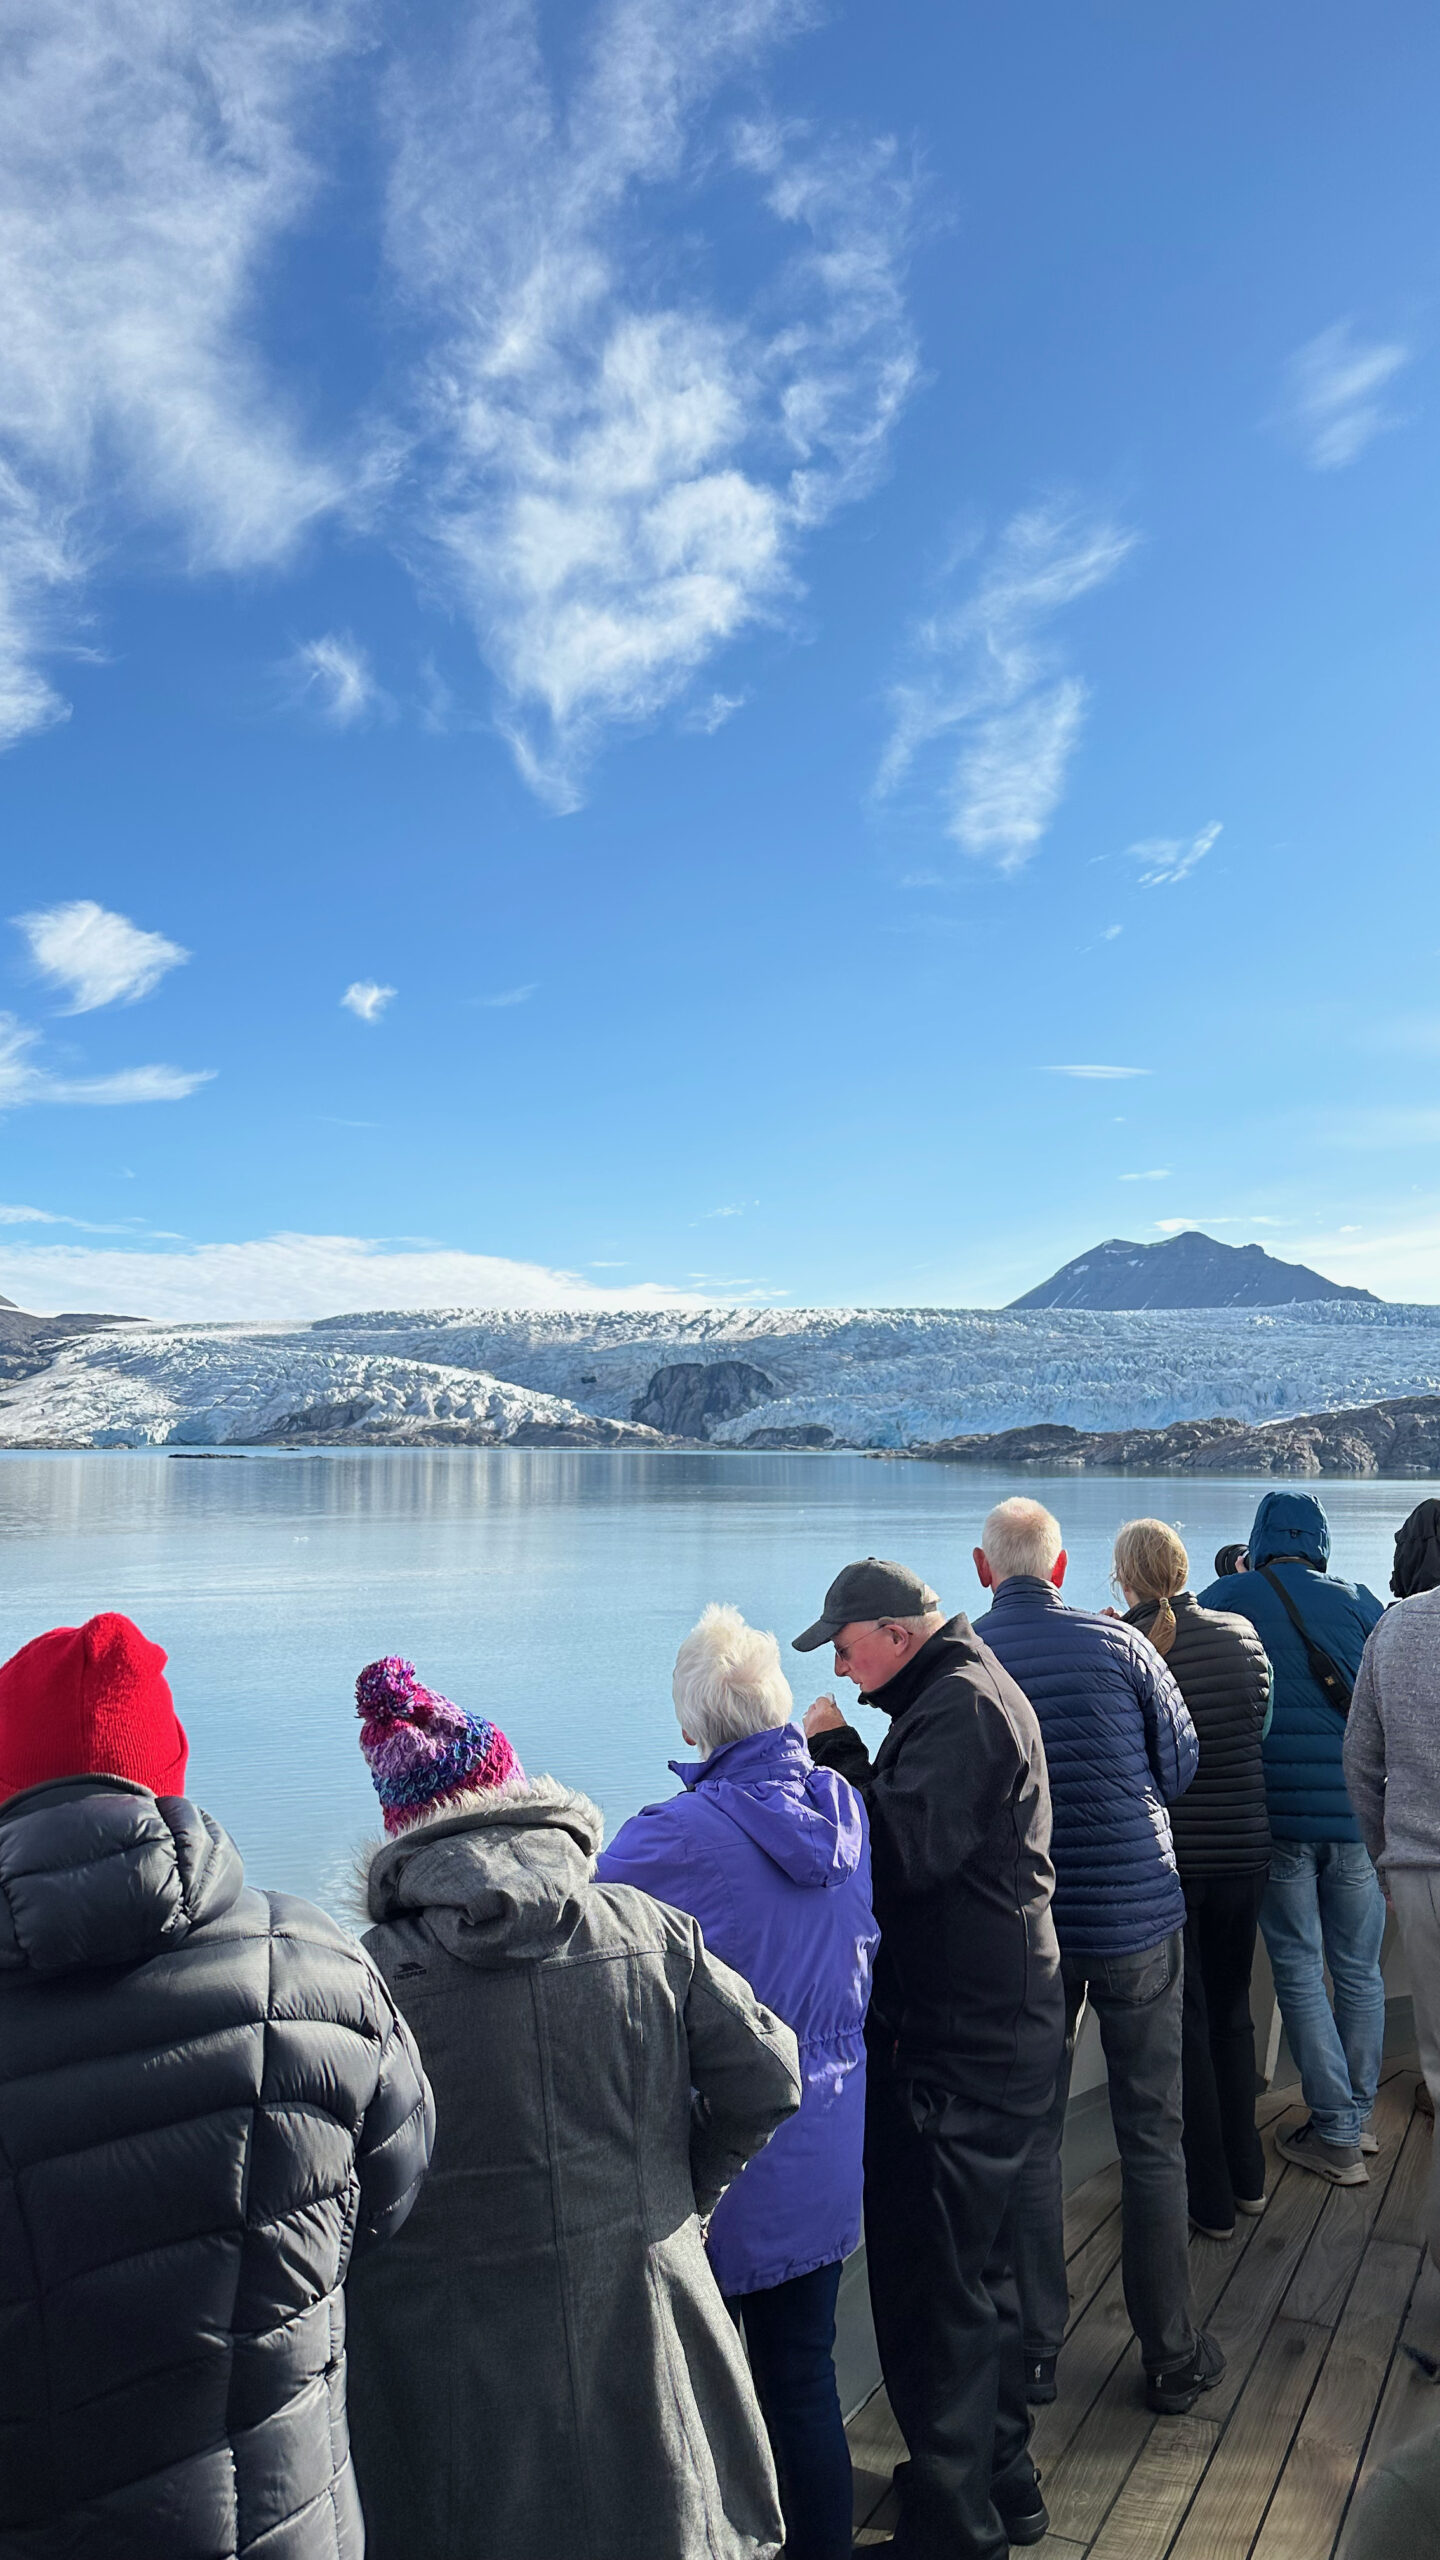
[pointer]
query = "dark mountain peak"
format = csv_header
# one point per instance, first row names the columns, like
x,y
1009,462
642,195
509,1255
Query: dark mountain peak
x,y
1190,1270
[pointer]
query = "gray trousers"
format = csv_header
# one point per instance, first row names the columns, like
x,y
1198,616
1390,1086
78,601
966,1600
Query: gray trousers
x,y
1139,2002
1415,1893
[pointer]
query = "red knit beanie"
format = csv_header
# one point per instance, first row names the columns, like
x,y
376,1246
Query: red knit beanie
x,y
90,1701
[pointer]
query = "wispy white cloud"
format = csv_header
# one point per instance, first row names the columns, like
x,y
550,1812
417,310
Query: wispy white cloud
x,y
1164,860
24,1082
149,162
1334,393
1231,1218
620,468
985,713
13,1214
293,1277
98,957
1097,1075
706,717
510,996
333,676
1160,1173
366,999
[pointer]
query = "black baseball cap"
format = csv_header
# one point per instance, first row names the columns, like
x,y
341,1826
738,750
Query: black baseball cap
x,y
873,1589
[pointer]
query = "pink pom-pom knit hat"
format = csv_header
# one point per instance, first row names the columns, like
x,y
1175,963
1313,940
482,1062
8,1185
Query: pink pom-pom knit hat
x,y
420,1748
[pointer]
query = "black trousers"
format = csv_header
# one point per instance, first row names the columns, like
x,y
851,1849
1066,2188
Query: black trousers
x,y
940,2177
1223,2154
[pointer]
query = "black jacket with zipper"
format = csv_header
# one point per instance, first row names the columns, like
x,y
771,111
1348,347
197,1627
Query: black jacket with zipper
x,y
967,1989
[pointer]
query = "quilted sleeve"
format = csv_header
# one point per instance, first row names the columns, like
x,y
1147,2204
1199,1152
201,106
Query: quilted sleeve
x,y
398,2134
1171,1742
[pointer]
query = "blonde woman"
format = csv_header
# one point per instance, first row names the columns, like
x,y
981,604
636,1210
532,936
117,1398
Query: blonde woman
x,y
1222,1847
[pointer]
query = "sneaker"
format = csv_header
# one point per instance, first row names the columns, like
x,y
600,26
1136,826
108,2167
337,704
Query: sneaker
x,y
1024,2525
1340,2162
1212,2230
1369,2142
1253,2205
1039,2380
1171,2393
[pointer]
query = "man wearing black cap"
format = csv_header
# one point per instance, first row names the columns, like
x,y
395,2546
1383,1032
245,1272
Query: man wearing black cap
x,y
965,2032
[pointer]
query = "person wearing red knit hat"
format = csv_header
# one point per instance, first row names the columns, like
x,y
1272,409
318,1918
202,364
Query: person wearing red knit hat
x,y
91,1700
209,2104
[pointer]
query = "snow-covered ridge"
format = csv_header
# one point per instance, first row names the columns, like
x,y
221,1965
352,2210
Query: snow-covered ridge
x,y
875,1377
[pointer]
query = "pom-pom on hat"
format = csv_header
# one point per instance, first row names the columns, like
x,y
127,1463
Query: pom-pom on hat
x,y
91,1701
422,1749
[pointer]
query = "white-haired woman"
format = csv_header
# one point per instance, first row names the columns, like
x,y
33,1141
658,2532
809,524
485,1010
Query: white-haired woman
x,y
771,1855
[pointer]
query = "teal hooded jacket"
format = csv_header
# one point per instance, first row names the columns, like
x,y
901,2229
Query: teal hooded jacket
x,y
1304,1750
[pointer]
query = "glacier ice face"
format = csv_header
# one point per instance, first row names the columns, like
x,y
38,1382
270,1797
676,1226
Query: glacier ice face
x,y
879,1378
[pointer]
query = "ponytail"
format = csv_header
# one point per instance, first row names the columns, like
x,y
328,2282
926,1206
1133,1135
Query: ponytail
x,y
1151,1561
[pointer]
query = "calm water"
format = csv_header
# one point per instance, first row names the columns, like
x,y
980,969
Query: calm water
x,y
547,1588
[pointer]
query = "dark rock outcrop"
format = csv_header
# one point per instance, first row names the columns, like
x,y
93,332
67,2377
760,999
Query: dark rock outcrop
x,y
792,1435
1399,1437
686,1399
29,1343
1191,1270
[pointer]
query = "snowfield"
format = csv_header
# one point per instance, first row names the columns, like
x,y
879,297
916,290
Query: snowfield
x,y
876,1378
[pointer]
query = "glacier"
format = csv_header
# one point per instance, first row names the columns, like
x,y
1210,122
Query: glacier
x,y
877,1378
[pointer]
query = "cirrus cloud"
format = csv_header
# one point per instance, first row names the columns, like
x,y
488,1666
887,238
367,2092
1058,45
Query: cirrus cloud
x,y
96,956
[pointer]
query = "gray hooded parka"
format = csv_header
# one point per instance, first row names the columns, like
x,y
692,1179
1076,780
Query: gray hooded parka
x,y
544,2369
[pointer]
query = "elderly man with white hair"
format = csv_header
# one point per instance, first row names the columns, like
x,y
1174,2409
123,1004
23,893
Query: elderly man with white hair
x,y
964,2040
1121,1747
771,1855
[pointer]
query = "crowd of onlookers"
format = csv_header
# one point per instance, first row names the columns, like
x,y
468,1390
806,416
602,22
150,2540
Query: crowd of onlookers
x,y
614,2112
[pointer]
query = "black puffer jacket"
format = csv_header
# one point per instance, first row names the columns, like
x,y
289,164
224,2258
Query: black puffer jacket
x,y
207,2103
1220,1824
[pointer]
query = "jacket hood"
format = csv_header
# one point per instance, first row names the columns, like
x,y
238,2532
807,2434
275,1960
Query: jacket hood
x,y
493,1872
806,1820
1290,1524
97,1871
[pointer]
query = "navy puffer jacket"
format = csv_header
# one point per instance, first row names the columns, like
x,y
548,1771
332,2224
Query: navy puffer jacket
x,y
1120,1747
208,2104
1305,1746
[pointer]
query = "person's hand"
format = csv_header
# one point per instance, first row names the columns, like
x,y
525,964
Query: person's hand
x,y
822,1717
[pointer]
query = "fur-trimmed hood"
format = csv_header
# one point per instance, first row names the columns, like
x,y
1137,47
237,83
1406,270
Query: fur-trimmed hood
x,y
491,1872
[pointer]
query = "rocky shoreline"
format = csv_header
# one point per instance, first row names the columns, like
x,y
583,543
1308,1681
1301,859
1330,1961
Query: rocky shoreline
x,y
1398,1437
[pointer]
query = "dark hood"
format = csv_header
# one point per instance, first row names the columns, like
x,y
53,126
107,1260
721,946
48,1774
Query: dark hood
x,y
806,1820
98,1872
1290,1524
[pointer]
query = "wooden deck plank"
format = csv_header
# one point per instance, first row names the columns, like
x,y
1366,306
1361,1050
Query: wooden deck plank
x,y
1159,2488
1087,2360
1402,2216
1086,2480
1309,2504
1097,2258
1230,2502
876,2445
1332,2256
1257,2288
1410,2401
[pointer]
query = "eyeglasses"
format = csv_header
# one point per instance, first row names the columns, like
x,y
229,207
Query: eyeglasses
x,y
843,1651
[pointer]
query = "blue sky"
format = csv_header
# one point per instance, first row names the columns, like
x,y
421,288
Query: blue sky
x,y
635,641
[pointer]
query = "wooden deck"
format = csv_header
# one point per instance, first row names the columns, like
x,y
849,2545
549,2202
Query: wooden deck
x,y
1312,2304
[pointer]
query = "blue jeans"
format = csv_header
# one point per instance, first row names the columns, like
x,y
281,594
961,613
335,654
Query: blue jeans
x,y
790,2335
1323,1905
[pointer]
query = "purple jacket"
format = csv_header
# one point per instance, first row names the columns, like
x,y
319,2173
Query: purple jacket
x,y
772,1856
